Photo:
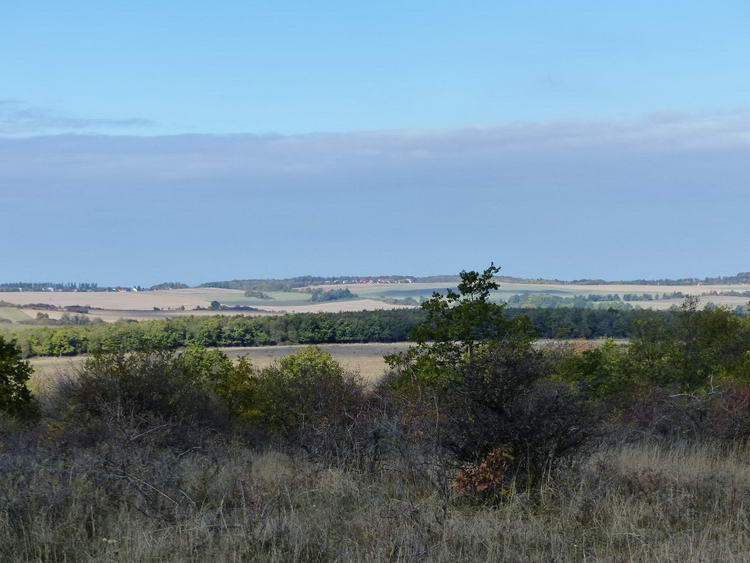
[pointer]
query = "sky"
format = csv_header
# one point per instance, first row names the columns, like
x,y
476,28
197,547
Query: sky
x,y
141,143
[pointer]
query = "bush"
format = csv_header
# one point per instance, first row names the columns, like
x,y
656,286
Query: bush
x,y
503,400
601,372
140,387
486,391
303,390
15,398
693,350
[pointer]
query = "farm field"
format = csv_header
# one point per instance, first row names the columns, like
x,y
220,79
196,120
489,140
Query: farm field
x,y
12,315
375,290
418,291
123,300
160,304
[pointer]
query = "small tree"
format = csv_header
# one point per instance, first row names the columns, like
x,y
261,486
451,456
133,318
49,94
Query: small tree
x,y
15,397
458,324
485,391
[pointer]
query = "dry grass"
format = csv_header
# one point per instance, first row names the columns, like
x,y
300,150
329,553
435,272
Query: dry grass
x,y
364,359
634,503
114,483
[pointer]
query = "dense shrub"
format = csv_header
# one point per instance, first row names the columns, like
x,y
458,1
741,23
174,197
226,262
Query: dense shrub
x,y
138,388
694,349
303,390
666,413
15,398
602,372
503,399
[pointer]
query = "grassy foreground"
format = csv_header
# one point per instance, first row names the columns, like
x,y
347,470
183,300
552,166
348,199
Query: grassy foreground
x,y
133,502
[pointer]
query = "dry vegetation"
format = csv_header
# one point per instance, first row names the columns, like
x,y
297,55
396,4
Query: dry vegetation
x,y
129,501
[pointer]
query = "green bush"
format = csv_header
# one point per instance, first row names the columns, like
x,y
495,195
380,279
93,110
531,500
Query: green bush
x,y
16,399
602,372
307,388
141,386
693,350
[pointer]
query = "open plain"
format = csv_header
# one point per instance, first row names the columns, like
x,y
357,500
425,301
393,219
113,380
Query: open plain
x,y
111,306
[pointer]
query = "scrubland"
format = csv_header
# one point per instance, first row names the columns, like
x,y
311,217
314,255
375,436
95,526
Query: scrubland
x,y
478,444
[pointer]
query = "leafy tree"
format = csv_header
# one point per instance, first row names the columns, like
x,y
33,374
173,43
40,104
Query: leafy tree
x,y
15,397
257,294
456,326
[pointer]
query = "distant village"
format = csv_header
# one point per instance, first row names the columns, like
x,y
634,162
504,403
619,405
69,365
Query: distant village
x,y
385,281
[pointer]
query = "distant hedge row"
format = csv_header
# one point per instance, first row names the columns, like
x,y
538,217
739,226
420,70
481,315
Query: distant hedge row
x,y
301,328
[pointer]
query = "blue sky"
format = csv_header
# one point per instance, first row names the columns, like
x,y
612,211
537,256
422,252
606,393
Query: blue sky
x,y
141,141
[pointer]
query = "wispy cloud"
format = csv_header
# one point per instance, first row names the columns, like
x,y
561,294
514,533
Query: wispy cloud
x,y
19,118
481,154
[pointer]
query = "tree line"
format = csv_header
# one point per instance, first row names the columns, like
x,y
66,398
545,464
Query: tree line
x,y
300,328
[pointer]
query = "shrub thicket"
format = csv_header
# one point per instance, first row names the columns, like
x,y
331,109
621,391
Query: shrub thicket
x,y
298,391
15,398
